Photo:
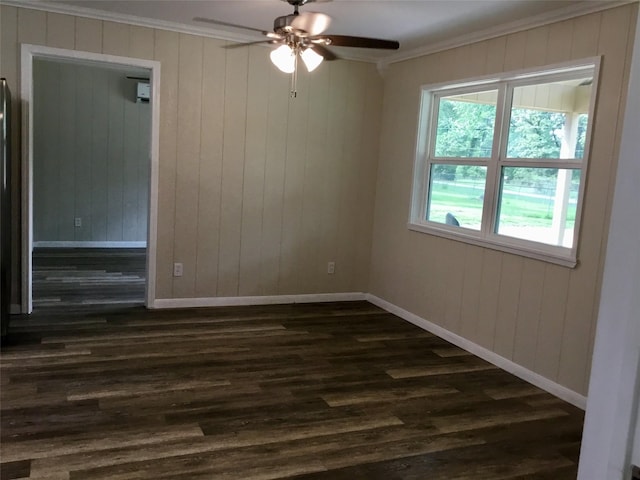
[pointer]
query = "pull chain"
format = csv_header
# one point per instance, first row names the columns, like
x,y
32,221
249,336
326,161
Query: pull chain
x,y
294,74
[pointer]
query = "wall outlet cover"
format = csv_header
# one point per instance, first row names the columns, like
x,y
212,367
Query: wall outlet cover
x,y
177,269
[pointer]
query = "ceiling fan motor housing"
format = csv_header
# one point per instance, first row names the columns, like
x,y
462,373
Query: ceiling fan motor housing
x,y
298,3
282,25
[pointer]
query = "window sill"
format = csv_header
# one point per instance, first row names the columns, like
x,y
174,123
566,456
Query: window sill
x,y
500,243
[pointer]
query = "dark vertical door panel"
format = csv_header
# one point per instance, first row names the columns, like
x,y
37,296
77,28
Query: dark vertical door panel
x,y
5,205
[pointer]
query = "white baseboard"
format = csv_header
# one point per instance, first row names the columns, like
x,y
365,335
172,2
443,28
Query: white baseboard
x,y
257,300
536,379
53,244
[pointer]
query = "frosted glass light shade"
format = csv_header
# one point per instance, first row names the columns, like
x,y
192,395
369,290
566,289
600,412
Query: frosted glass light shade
x,y
311,59
282,57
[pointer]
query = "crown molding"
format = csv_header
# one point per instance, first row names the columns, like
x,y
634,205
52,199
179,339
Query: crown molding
x,y
86,12
582,8
566,13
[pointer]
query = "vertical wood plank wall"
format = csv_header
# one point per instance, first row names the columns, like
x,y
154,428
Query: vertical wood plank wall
x,y
90,156
256,192
539,315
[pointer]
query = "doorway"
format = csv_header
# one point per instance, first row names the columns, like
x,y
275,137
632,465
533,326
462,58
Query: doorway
x,y
90,183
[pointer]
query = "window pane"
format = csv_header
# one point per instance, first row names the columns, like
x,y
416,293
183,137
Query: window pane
x,y
549,120
465,125
456,195
539,204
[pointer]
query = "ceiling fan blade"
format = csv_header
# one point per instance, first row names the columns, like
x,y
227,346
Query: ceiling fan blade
x,y
247,44
324,52
312,23
361,42
227,24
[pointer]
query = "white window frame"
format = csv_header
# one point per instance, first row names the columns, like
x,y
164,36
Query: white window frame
x,y
425,157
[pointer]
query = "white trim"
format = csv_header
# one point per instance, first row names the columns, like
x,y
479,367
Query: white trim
x,y
572,11
503,84
53,244
257,300
28,53
495,242
154,180
26,63
536,379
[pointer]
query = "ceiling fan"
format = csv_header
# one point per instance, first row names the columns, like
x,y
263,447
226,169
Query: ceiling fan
x,y
300,34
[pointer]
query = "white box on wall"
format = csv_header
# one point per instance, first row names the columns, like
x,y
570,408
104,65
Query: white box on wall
x,y
144,91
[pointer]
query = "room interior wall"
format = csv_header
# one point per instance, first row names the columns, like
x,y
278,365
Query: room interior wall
x,y
539,315
90,156
257,191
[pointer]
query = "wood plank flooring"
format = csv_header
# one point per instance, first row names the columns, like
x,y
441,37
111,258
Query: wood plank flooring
x,y
307,392
81,278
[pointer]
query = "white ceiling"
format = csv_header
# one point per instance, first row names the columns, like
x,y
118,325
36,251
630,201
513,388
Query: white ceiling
x,y
414,23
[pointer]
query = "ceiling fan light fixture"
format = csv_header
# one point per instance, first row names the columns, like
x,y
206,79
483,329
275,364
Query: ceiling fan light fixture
x,y
301,34
311,59
283,57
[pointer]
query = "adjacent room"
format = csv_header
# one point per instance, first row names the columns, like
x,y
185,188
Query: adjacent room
x,y
91,138
320,239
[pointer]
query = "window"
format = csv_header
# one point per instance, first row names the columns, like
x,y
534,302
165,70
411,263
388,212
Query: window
x,y
501,163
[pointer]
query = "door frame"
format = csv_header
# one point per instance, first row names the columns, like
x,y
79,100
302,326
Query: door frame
x,y
611,437
28,54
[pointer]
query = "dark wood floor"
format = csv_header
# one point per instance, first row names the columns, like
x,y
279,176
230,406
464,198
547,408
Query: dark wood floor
x,y
310,392
82,278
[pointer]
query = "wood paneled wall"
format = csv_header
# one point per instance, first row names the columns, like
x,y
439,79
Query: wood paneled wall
x,y
539,315
90,154
257,192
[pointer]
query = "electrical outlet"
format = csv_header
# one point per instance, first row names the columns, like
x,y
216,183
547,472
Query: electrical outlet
x,y
331,268
177,269
77,221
